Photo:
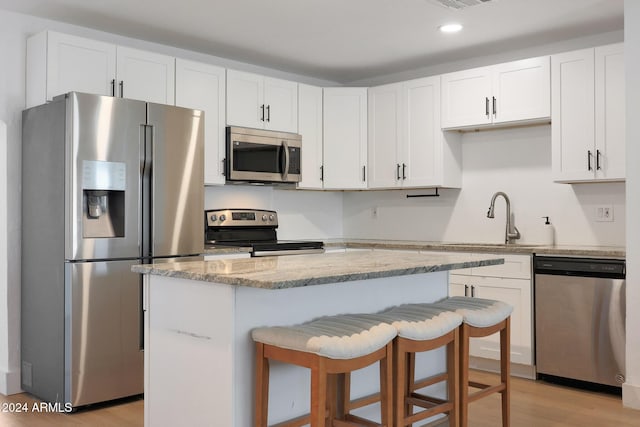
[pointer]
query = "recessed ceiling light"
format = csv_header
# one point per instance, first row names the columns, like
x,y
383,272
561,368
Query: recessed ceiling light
x,y
450,28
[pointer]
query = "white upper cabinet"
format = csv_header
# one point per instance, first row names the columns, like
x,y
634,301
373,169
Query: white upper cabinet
x,y
504,94
407,148
384,134
202,86
260,102
345,138
59,63
588,122
146,76
310,127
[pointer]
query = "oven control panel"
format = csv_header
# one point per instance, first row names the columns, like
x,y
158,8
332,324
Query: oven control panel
x,y
240,218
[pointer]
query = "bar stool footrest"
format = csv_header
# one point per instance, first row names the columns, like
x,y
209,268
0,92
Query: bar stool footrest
x,y
486,390
426,382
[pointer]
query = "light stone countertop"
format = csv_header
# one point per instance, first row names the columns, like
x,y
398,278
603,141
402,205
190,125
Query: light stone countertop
x,y
498,248
280,272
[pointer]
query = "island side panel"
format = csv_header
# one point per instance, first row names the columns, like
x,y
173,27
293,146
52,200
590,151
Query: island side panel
x,y
289,386
188,353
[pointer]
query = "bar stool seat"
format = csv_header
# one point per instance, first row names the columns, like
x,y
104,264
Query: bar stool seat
x,y
423,327
481,318
330,347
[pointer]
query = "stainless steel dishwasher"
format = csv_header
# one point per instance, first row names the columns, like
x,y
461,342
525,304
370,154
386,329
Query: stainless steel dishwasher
x,y
580,319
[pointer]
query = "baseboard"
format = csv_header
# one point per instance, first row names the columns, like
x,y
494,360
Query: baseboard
x,y
631,395
491,365
10,383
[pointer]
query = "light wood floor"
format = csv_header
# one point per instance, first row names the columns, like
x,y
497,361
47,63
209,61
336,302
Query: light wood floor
x,y
533,404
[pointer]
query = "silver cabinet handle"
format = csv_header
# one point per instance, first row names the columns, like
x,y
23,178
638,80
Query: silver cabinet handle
x,y
322,173
495,109
364,174
589,160
404,168
473,291
466,290
113,87
268,113
397,171
121,88
598,160
486,106
262,116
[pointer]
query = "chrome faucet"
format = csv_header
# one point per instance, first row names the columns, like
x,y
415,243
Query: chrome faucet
x,y
509,233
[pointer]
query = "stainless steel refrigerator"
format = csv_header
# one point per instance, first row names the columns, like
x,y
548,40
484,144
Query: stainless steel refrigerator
x,y
106,183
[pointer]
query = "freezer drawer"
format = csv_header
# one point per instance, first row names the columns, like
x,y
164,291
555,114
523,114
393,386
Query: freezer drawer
x,y
103,357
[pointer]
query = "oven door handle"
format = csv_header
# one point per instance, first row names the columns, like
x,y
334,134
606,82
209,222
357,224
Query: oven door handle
x,y
284,159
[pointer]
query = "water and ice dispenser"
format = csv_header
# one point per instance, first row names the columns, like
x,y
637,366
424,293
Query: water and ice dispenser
x,y
103,191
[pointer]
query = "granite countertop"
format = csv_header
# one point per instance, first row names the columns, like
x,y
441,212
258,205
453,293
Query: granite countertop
x,y
281,272
499,248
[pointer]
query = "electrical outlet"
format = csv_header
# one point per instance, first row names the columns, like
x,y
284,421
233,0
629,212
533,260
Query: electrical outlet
x,y
604,213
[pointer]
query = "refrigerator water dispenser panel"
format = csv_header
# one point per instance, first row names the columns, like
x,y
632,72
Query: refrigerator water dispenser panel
x,y
103,190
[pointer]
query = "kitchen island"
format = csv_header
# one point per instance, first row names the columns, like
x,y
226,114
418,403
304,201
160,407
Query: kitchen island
x,y
199,356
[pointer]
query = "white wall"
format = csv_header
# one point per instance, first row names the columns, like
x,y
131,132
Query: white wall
x,y
301,214
516,161
631,389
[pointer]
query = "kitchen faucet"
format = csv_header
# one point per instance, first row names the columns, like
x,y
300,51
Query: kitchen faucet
x,y
509,234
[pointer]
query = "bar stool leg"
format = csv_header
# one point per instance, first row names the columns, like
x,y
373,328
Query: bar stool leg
x,y
386,388
262,387
464,375
318,394
505,372
453,380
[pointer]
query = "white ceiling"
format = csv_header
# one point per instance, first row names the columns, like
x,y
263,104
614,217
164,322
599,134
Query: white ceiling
x,y
338,40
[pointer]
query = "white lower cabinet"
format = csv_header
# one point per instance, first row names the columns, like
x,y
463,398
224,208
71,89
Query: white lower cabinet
x,y
511,283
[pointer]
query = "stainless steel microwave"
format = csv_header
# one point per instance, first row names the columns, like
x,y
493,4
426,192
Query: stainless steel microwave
x,y
256,155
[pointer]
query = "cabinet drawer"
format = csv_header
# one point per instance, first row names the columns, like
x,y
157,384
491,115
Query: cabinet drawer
x,y
515,266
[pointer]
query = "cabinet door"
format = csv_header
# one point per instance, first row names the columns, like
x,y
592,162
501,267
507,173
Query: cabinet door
x,y
422,141
202,86
245,99
145,76
572,109
345,138
310,127
521,91
71,63
610,112
517,293
466,98
281,109
459,285
384,123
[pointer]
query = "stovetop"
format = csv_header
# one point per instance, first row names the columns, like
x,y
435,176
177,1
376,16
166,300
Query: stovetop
x,y
254,228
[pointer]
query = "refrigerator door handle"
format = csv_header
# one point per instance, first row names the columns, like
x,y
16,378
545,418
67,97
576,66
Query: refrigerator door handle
x,y
146,193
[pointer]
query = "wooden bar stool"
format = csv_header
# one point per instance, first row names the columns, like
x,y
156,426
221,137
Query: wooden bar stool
x,y
481,318
423,327
331,347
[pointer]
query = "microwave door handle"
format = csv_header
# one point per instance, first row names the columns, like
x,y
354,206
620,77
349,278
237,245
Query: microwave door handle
x,y
285,149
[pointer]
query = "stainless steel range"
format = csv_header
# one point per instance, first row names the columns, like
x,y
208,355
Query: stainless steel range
x,y
253,228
